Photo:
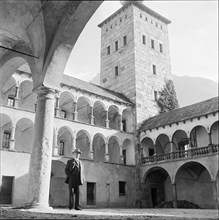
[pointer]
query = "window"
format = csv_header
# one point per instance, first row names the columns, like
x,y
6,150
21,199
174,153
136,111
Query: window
x,y
124,40
124,156
61,147
11,101
6,139
116,71
108,50
91,189
63,114
154,69
116,45
155,95
161,48
122,188
143,39
152,44
151,152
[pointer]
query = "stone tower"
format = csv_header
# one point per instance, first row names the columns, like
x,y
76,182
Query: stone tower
x,y
135,57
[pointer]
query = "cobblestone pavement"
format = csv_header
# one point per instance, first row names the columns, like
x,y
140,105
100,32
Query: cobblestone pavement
x,y
112,214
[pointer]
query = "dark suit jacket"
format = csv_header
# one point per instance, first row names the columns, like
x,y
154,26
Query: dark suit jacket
x,y
70,166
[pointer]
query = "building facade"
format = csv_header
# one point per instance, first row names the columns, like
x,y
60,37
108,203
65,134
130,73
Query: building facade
x,y
132,155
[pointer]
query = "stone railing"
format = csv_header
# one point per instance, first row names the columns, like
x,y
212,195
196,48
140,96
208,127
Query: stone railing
x,y
196,152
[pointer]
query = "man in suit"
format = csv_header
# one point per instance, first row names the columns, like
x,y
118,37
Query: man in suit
x,y
75,178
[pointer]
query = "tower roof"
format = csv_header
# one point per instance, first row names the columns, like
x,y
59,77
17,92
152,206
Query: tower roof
x,y
140,6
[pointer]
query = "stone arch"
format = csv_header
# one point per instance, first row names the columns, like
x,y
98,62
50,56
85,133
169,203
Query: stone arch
x,y
127,120
27,99
99,112
214,132
114,149
66,100
5,129
83,109
8,90
162,144
128,152
114,117
83,143
180,140
99,148
148,148
193,183
199,137
24,135
58,190
156,187
64,140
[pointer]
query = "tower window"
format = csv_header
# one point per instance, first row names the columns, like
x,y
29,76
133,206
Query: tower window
x,y
11,101
116,71
152,43
61,147
143,39
155,95
154,69
108,50
116,45
124,40
161,48
122,188
6,139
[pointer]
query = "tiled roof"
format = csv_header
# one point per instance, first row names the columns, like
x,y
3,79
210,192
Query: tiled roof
x,y
94,89
181,114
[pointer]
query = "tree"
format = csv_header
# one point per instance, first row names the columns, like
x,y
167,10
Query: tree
x,y
167,97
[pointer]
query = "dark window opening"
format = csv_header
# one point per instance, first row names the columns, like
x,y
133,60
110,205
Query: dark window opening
x,y
124,156
91,188
116,71
116,45
124,40
155,95
143,39
124,125
108,50
6,139
152,44
11,101
154,69
122,191
61,147
161,48
151,152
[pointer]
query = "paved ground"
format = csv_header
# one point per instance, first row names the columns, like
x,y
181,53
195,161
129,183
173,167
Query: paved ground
x,y
112,214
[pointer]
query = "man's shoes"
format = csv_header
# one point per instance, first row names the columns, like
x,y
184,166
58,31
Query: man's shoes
x,y
78,208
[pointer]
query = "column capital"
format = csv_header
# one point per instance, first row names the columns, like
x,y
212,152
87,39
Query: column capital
x,y
45,92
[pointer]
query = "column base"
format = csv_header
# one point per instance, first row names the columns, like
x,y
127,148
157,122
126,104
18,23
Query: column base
x,y
37,206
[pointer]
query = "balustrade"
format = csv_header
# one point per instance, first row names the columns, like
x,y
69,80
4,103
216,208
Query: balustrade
x,y
196,152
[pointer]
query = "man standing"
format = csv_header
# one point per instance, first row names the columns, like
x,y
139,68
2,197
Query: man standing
x,y
74,172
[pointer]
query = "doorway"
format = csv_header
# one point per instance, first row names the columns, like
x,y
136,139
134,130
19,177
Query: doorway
x,y
6,190
154,197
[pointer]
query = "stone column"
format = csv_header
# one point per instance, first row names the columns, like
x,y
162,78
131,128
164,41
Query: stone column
x,y
16,98
75,113
120,123
56,147
91,153
107,119
12,138
107,152
215,193
92,115
41,155
73,143
57,108
174,195
210,143
171,150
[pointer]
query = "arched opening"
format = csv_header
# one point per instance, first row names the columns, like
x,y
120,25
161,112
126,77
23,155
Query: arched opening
x,y
58,196
127,120
99,148
27,97
199,137
114,150
148,148
157,187
66,105
180,140
99,114
193,184
214,132
64,141
113,117
128,152
8,93
24,135
162,144
83,110
83,143
6,129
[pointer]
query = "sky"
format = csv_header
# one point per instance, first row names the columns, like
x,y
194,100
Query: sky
x,y
193,39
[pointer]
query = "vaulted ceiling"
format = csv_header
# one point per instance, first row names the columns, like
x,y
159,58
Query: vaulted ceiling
x,y
41,33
